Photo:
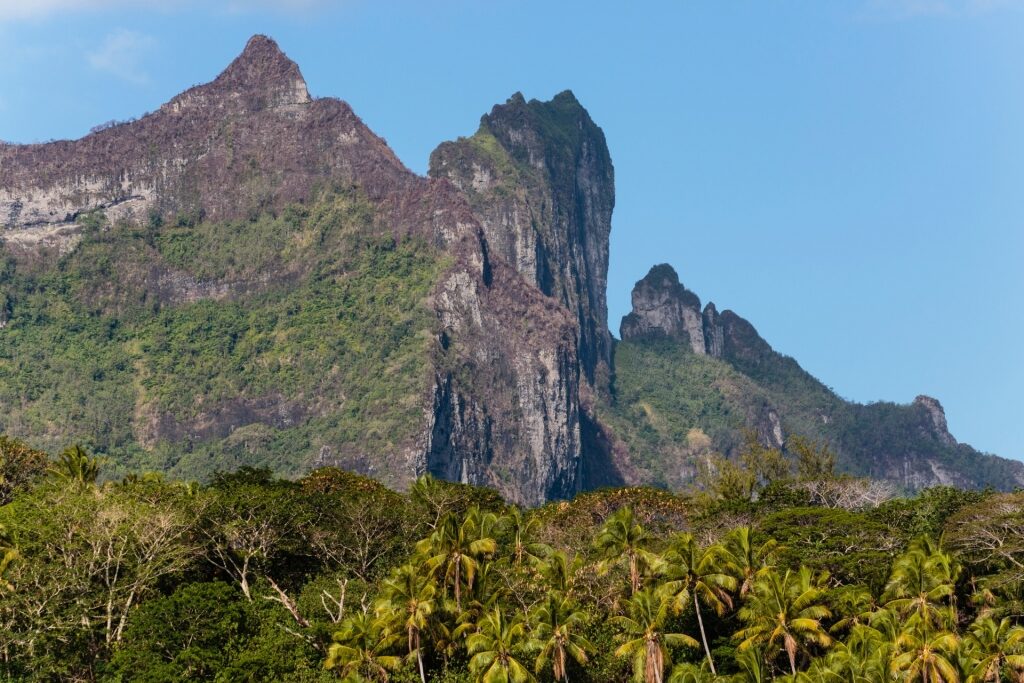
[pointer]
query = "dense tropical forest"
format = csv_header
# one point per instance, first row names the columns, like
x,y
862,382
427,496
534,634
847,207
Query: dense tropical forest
x,y
773,568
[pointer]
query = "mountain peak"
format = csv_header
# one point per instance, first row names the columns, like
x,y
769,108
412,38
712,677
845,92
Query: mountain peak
x,y
262,65
261,77
663,307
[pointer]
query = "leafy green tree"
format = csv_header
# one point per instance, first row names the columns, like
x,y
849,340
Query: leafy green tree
x,y
784,612
493,649
20,467
191,634
648,644
556,625
248,522
700,574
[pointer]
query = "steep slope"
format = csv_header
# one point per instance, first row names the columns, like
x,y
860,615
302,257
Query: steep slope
x,y
689,380
250,276
540,180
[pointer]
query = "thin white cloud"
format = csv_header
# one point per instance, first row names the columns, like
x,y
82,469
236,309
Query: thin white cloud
x,y
121,55
15,10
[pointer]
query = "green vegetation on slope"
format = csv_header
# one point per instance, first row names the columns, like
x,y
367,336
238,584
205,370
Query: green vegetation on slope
x,y
190,347
673,407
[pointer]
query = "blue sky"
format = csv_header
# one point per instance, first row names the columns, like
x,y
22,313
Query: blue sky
x,y
849,176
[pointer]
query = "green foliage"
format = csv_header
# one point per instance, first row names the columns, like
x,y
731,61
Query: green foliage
x,y
193,347
252,577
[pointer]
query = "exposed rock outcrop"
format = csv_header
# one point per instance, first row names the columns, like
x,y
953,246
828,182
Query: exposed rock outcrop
x,y
662,307
937,417
503,407
908,445
540,180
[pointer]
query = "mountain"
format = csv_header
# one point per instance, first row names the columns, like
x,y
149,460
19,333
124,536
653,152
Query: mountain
x,y
689,380
250,276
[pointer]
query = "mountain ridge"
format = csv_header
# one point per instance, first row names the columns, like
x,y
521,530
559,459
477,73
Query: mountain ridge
x,y
250,275
666,312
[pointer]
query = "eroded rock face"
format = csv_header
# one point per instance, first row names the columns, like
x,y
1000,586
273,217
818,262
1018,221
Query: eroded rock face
x,y
503,406
249,141
937,417
540,180
662,307
907,445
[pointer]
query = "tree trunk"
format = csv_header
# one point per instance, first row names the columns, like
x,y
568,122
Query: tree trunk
x,y
458,582
703,636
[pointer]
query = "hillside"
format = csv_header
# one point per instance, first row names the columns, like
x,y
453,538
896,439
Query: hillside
x,y
692,381
250,276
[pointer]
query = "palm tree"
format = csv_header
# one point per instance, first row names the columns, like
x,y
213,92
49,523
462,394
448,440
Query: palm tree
x,y
691,673
853,606
408,603
556,623
699,573
752,667
359,649
926,658
785,611
523,527
920,587
646,640
622,536
864,658
492,649
454,550
745,559
76,466
559,571
993,647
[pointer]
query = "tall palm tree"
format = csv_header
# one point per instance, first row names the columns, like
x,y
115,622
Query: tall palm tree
x,y
852,606
746,559
623,536
76,466
699,574
921,585
522,528
407,605
752,667
863,658
926,658
993,647
556,624
559,571
646,640
492,649
359,649
454,550
785,611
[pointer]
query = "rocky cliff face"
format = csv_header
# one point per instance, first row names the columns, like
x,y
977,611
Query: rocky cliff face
x,y
502,407
909,445
540,180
